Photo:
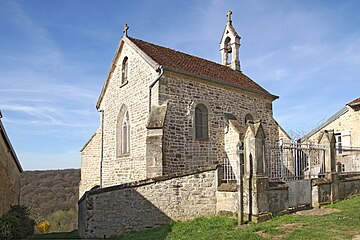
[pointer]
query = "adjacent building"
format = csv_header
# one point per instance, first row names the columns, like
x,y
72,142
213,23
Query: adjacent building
x,y
346,126
10,170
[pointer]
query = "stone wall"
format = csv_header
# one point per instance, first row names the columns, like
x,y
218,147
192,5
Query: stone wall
x,y
322,190
227,202
90,164
149,203
278,198
134,95
182,93
9,179
349,186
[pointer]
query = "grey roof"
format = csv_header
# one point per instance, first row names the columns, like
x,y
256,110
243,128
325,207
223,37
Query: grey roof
x,y
327,122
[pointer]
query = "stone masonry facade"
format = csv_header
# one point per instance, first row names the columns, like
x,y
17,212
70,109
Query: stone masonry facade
x,y
182,93
181,151
119,169
90,167
9,175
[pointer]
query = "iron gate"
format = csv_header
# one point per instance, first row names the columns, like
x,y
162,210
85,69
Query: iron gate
x,y
296,164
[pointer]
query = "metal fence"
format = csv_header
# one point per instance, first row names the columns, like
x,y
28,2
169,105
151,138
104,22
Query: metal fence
x,y
348,159
228,174
295,161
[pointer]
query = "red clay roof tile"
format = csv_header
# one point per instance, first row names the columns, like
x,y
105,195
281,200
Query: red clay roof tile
x,y
356,101
174,59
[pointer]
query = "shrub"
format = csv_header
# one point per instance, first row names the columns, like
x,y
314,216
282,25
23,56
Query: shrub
x,y
63,220
43,227
16,223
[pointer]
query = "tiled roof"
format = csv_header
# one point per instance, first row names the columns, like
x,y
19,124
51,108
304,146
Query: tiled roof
x,y
178,60
356,101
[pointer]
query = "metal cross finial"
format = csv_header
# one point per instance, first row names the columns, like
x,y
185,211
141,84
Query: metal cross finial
x,y
126,27
229,15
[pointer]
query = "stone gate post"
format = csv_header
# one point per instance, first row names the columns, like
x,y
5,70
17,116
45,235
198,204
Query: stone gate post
x,y
327,139
256,182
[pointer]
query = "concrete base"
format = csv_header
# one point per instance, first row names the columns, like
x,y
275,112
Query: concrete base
x,y
259,218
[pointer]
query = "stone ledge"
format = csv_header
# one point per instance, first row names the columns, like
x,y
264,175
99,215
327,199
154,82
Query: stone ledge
x,y
278,186
349,177
227,187
319,181
150,180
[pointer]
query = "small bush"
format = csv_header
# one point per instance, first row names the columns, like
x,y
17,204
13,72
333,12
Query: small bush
x,y
63,220
16,223
43,227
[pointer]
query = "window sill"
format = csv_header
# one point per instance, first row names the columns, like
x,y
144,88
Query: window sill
x,y
123,155
123,84
202,139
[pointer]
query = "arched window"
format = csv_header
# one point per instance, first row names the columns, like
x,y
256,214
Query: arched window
x,y
123,132
201,122
124,71
248,117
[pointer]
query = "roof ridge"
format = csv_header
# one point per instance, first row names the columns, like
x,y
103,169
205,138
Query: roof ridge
x,y
224,68
188,54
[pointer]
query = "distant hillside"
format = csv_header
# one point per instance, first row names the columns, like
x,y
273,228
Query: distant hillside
x,y
46,192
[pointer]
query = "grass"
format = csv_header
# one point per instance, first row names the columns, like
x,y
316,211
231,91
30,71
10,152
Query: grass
x,y
343,224
57,235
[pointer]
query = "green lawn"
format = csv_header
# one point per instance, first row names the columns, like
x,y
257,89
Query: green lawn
x,y
57,235
343,223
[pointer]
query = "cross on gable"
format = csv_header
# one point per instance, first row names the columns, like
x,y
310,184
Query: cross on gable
x,y
229,15
126,27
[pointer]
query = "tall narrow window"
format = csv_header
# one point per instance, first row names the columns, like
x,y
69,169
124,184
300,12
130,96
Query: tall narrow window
x,y
123,132
339,149
201,122
124,71
248,117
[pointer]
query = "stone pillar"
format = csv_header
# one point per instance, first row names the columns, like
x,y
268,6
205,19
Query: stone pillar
x,y
154,141
327,139
256,182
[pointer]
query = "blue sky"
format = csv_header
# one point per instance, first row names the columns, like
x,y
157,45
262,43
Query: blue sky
x,y
55,55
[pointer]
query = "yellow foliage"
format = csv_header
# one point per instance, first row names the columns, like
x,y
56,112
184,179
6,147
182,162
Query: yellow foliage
x,y
43,227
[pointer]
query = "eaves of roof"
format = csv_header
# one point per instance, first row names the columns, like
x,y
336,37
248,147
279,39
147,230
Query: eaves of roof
x,y
327,122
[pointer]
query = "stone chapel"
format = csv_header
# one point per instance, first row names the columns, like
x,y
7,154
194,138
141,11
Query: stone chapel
x,y
163,111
